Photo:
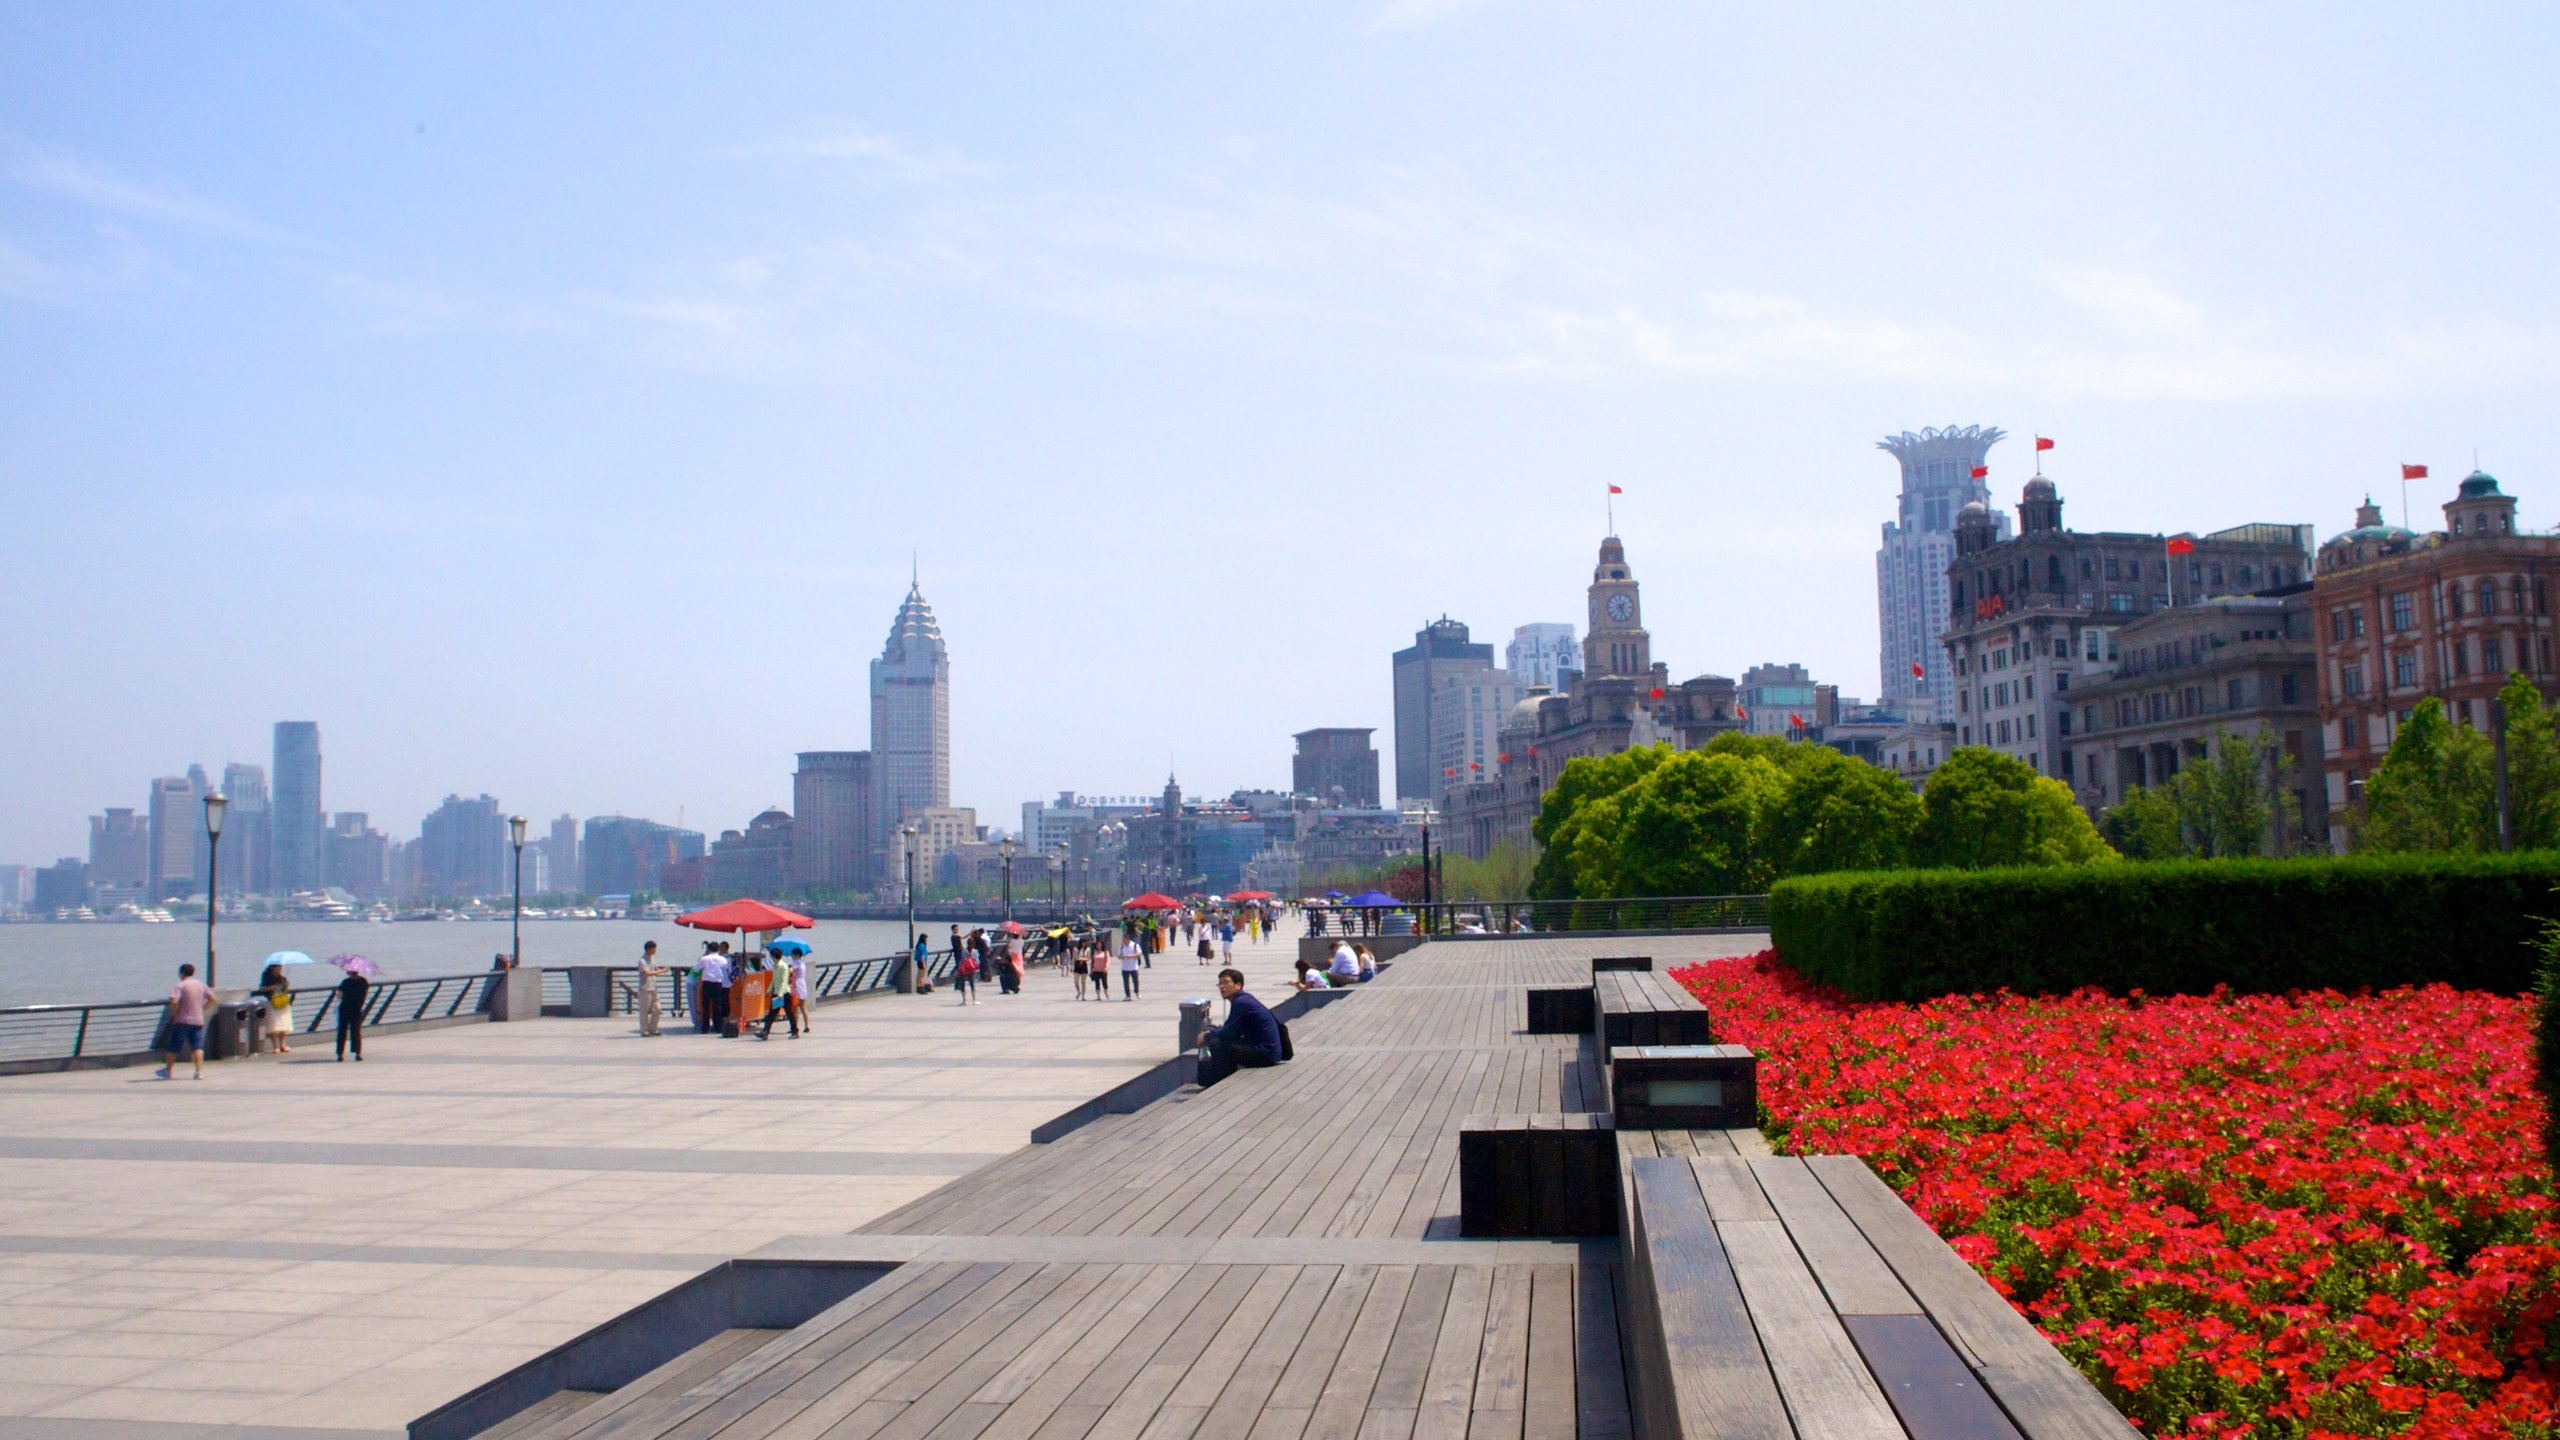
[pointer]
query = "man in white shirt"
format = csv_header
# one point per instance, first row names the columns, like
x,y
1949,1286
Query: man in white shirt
x,y
717,968
1346,964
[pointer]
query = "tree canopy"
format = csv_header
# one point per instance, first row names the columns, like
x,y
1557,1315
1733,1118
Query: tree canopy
x,y
1984,808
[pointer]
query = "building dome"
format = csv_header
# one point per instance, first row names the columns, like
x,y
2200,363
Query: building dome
x,y
1973,510
2370,529
2477,484
2041,488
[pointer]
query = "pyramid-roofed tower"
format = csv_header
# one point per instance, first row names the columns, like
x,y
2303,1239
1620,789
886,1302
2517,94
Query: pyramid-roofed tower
x,y
910,722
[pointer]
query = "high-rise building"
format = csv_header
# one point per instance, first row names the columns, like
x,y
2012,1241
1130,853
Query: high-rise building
x,y
119,853
1467,711
1543,654
625,856
173,846
1439,649
358,856
560,855
246,826
17,886
1911,566
1336,766
462,848
910,722
62,885
831,830
295,820
1776,699
755,861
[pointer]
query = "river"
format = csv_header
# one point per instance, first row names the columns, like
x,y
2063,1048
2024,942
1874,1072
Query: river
x,y
56,964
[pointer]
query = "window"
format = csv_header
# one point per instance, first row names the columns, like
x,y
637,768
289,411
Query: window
x,y
2111,569
2004,732
2404,611
2062,723
2488,597
2118,600
1999,659
2337,625
2404,668
2461,658
2217,573
2231,693
2346,732
2351,679
2355,621
2066,764
2453,601
2515,594
2061,681
2031,727
2541,601
2031,687
2493,655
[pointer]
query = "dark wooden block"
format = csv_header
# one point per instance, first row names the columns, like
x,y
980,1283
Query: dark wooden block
x,y
1620,962
1477,1137
1537,1175
1563,1010
1932,1393
1684,1087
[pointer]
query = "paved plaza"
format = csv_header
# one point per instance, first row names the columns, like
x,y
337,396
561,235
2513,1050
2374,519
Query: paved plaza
x,y
305,1249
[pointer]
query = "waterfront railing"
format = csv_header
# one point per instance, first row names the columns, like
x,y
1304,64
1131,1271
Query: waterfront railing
x,y
829,980
1645,913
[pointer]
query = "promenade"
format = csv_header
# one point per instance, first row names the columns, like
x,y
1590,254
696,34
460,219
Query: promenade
x,y
302,1249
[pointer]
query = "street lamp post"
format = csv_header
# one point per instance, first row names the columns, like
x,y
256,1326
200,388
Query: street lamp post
x,y
1426,876
907,971
515,937
1007,848
214,805
1062,880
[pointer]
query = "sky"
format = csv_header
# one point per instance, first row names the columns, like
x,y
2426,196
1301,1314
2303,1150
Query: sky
x,y
551,401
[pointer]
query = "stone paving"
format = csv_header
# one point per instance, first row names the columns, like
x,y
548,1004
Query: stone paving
x,y
304,1249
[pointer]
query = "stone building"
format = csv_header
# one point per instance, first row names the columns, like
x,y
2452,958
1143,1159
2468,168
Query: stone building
x,y
2241,663
1911,564
1337,766
755,861
2031,617
2402,616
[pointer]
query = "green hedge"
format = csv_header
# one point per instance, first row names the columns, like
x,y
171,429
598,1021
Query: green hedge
x,y
2173,927
2546,1047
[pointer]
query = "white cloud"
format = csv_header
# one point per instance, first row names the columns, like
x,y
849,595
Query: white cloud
x,y
1415,14
872,150
58,172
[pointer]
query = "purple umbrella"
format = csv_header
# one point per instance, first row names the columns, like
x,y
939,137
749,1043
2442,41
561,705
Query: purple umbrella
x,y
357,965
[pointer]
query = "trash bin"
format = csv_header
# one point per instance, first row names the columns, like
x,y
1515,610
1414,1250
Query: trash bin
x,y
231,1028
1194,1024
1398,923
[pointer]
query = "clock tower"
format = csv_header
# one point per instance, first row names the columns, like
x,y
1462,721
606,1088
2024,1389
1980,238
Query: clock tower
x,y
1615,643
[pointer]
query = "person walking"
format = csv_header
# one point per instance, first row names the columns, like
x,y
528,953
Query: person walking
x,y
353,992
187,1004
1130,957
799,995
778,1000
650,970
964,976
1227,940
275,1016
1082,959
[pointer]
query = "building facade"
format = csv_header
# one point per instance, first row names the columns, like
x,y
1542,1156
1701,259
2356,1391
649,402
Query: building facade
x,y
625,856
1467,711
1337,766
173,839
295,821
1439,649
119,855
463,849
1543,654
1919,543
831,835
2185,676
359,856
1778,700
755,861
910,723
2031,617
246,825
2402,616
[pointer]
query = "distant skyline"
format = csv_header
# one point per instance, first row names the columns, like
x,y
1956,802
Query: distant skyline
x,y
549,403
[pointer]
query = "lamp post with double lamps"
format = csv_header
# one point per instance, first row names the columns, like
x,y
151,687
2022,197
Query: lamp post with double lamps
x,y
907,971
214,805
1007,848
515,937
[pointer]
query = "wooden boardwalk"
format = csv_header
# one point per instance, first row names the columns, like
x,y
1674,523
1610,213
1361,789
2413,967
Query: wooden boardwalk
x,y
1272,1259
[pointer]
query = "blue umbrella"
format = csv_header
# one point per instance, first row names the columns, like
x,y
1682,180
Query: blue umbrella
x,y
288,957
1333,894
786,947
1375,897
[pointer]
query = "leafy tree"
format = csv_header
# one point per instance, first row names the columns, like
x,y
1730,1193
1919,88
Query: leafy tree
x,y
2435,789
1983,808
1839,814
2533,766
1696,825
1577,836
2145,824
2226,801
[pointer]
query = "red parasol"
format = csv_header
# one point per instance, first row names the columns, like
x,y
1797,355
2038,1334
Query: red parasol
x,y
1152,900
743,915
1252,895
1011,927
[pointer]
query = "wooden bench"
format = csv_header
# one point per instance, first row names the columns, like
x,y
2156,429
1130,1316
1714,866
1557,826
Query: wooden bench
x,y
1684,1087
1638,1007
1522,1175
1620,962
1560,1010
1781,1296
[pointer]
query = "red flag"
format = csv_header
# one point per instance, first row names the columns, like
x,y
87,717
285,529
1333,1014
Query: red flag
x,y
1475,764
1740,714
1450,772
2181,545
1506,757
1795,719
1979,471
1657,692
1533,749
1917,673
2043,444
1615,490
2413,472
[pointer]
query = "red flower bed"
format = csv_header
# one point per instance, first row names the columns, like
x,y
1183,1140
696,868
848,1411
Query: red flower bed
x,y
2296,1215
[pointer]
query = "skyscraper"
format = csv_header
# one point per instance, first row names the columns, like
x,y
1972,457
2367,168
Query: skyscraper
x,y
910,723
120,852
462,848
1911,566
173,845
245,825
295,821
831,820
561,850
1543,654
1439,650
1336,767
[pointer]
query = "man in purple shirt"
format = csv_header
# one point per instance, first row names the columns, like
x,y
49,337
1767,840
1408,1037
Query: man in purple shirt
x,y
187,1004
1250,1038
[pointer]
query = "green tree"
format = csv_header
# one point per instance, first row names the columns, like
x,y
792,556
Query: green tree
x,y
2144,824
1983,808
2434,791
1696,825
2533,766
2226,800
1567,817
1839,814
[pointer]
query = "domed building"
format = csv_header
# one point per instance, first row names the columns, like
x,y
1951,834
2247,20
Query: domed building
x,y
2402,616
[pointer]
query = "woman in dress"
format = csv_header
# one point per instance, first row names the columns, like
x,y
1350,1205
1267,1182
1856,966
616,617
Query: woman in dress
x,y
278,1011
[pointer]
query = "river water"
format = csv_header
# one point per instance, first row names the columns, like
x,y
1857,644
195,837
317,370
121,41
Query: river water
x,y
55,964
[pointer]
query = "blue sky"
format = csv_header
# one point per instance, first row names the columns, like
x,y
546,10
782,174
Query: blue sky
x,y
549,403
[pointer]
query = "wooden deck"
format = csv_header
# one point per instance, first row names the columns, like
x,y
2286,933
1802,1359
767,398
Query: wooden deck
x,y
1272,1259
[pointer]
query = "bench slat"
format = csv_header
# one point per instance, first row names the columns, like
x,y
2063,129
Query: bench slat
x,y
1852,1274
1701,1371
1932,1392
1826,1385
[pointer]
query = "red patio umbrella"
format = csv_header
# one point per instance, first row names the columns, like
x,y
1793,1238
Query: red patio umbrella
x,y
1152,900
745,915
1251,895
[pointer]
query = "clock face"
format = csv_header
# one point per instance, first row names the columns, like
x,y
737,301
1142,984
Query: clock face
x,y
1622,608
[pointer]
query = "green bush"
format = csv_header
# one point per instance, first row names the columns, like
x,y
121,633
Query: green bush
x,y
2172,927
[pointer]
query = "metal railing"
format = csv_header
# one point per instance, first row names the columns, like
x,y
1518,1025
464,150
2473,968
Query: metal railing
x,y
828,980
1450,917
36,1034
401,1002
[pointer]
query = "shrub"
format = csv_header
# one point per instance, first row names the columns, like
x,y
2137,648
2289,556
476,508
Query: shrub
x,y
2172,927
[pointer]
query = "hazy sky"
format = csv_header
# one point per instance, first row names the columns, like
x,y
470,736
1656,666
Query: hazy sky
x,y
547,400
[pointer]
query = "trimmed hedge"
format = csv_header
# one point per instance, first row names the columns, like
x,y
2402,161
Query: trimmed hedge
x,y
2546,1047
2173,927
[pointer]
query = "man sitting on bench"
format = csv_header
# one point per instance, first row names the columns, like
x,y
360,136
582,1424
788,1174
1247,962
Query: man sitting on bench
x,y
1250,1038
